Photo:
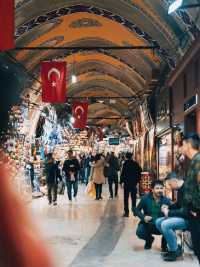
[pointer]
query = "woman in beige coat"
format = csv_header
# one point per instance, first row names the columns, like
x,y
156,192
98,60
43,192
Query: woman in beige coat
x,y
97,175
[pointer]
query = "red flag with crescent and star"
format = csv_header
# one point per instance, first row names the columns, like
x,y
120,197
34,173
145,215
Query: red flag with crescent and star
x,y
80,112
7,24
53,75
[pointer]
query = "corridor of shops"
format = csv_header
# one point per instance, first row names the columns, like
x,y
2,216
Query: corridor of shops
x,y
99,133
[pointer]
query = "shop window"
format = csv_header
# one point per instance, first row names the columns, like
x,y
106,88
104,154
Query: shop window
x,y
185,85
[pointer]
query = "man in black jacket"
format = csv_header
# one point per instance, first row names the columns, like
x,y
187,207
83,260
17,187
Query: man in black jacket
x,y
51,178
175,218
148,210
71,168
130,177
113,168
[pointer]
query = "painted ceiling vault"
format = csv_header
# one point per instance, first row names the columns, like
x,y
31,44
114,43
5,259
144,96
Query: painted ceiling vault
x,y
112,73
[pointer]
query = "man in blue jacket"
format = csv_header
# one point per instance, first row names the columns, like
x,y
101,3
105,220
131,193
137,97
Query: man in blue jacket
x,y
149,210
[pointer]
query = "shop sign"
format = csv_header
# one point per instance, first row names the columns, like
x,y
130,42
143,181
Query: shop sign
x,y
190,103
113,141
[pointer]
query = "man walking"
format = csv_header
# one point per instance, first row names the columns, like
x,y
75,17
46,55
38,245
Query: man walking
x,y
113,168
51,179
71,168
130,177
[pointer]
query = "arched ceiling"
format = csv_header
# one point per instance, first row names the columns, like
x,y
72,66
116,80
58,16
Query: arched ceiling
x,y
103,72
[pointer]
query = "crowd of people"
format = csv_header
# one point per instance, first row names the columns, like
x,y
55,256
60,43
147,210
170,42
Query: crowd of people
x,y
158,214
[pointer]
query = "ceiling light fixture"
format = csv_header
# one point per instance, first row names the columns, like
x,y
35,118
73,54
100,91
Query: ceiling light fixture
x,y
74,79
72,120
174,6
178,5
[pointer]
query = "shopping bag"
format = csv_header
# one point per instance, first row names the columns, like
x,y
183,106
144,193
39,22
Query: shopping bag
x,y
90,190
61,187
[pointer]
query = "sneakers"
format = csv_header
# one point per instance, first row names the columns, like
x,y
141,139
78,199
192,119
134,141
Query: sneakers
x,y
172,255
55,203
148,243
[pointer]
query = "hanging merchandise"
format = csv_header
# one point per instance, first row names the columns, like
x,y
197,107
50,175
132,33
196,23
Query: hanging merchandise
x,y
79,113
53,75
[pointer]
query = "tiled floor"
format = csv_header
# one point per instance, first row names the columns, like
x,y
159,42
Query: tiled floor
x,y
89,233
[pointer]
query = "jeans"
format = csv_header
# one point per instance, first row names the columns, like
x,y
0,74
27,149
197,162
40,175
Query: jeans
x,y
127,192
167,227
112,180
98,188
71,185
87,174
52,189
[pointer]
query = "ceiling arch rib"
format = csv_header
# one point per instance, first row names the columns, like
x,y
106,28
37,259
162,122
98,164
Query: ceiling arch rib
x,y
102,68
120,104
95,59
141,35
89,70
112,84
99,109
129,60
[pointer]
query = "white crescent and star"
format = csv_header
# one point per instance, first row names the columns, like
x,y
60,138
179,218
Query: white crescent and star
x,y
77,109
57,72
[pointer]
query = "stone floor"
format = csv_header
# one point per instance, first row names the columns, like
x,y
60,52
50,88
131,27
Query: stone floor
x,y
89,233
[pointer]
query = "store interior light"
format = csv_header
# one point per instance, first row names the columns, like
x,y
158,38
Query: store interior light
x,y
72,120
74,79
174,6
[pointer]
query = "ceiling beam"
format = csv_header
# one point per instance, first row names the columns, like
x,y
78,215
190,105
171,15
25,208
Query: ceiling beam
x,y
88,48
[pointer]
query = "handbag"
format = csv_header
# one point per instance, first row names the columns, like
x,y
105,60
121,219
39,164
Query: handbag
x,y
90,190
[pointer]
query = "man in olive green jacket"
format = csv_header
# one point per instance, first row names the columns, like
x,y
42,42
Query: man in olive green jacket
x,y
191,146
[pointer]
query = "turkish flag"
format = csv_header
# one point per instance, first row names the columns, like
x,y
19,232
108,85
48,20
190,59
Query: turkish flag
x,y
53,75
80,112
7,24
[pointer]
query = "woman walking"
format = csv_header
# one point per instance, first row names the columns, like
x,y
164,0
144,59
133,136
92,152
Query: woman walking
x,y
97,174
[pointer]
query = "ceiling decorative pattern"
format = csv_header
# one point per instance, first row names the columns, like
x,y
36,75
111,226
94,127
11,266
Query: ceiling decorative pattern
x,y
85,22
100,12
